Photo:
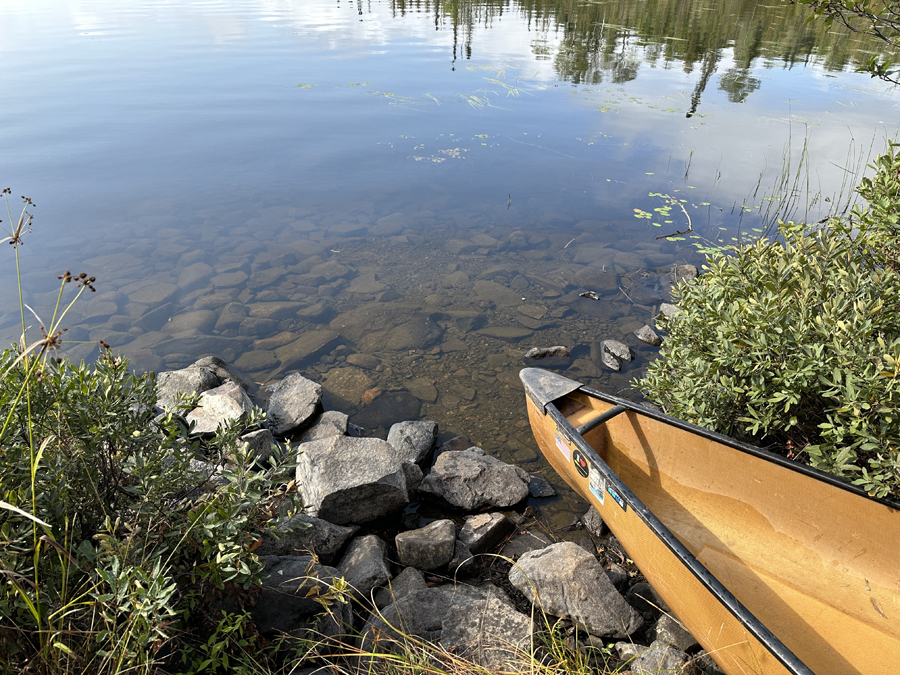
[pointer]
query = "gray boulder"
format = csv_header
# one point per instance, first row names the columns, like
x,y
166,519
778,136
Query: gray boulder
x,y
260,442
558,351
668,630
648,335
524,542
659,658
220,369
344,480
365,566
429,547
487,631
413,440
330,423
185,382
218,406
306,534
292,402
667,311
610,354
570,583
484,531
538,487
473,622
408,581
294,589
471,480
463,561
593,523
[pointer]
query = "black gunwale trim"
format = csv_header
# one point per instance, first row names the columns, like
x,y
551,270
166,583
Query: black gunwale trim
x,y
747,619
809,471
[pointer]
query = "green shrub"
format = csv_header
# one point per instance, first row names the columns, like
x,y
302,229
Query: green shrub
x,y
795,343
113,543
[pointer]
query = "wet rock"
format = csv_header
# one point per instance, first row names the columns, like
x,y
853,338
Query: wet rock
x,y
572,584
540,488
153,294
499,295
366,283
330,270
274,311
533,311
413,440
318,312
202,320
366,361
547,352
365,565
470,321
218,406
423,389
667,311
220,369
370,395
389,408
229,279
459,247
472,480
667,630
429,547
597,279
408,581
194,275
682,273
256,360
304,534
265,278
458,279
292,402
290,588
593,523
610,354
619,577
330,423
648,335
484,531
307,346
344,387
509,333
343,479
231,316
419,332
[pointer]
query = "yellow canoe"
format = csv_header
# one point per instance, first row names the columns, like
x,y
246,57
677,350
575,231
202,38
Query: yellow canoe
x,y
774,567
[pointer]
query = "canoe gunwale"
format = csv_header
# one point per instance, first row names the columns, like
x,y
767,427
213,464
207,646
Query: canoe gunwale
x,y
747,619
811,472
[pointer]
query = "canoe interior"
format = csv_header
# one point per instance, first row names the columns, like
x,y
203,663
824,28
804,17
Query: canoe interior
x,y
815,563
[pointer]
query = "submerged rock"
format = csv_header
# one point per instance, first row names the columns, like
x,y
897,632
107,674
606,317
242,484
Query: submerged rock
x,y
558,351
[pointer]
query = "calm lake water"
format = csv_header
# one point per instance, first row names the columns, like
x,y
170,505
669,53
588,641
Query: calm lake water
x,y
408,195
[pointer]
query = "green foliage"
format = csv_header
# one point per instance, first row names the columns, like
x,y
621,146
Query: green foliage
x,y
119,527
796,342
879,18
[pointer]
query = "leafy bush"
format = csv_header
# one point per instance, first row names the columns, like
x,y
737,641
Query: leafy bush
x,y
795,342
114,543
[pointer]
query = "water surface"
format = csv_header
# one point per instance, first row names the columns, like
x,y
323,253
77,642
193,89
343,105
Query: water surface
x,y
405,196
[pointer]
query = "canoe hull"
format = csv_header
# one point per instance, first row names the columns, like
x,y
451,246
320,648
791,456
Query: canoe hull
x,y
741,546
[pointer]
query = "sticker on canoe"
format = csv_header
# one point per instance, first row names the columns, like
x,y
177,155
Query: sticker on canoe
x,y
597,483
581,463
615,495
563,448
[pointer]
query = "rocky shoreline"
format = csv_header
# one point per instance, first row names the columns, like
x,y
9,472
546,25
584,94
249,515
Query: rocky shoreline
x,y
436,575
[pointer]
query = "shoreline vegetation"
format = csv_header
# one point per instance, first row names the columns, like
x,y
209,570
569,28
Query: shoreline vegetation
x,y
135,530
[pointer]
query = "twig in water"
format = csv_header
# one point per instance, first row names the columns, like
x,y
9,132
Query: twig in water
x,y
677,233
